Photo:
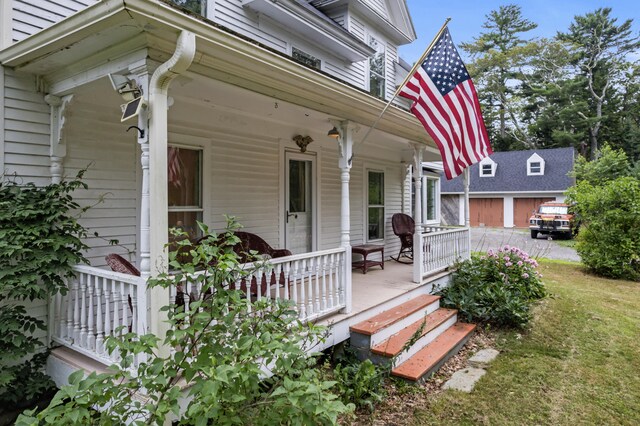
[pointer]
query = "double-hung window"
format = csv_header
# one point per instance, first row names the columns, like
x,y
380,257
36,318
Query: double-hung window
x,y
375,206
376,69
184,167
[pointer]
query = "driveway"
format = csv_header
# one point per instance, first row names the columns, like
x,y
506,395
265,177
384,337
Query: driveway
x,y
483,239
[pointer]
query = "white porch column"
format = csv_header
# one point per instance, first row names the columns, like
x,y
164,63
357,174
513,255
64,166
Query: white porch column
x,y
345,156
158,196
57,153
418,261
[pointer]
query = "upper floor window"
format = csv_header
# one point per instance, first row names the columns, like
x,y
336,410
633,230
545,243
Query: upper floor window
x,y
305,58
535,165
375,205
376,69
196,6
185,189
488,167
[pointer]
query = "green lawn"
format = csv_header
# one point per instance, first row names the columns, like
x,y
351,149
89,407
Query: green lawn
x,y
579,362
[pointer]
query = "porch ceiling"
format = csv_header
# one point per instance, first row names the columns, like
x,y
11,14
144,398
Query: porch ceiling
x,y
69,52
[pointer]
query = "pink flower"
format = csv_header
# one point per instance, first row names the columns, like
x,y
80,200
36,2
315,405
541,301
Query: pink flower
x,y
520,263
525,275
508,264
507,258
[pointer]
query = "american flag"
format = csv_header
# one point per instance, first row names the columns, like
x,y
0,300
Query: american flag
x,y
446,103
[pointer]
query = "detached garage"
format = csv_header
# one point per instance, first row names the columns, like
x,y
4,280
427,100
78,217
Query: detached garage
x,y
505,188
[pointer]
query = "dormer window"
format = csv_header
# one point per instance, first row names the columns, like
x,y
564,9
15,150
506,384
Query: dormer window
x,y
376,69
535,165
488,167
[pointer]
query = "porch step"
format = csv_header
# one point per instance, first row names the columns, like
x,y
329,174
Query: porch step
x,y
430,358
382,326
432,325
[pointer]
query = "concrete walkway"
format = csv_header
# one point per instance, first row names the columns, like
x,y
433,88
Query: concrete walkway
x,y
483,239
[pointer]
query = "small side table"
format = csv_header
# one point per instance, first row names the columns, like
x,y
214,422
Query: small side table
x,y
365,250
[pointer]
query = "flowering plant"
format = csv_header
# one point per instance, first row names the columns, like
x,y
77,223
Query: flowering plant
x,y
497,287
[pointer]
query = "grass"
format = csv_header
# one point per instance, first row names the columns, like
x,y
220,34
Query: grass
x,y
578,363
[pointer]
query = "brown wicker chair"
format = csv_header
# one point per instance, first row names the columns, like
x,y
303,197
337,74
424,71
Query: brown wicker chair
x,y
403,226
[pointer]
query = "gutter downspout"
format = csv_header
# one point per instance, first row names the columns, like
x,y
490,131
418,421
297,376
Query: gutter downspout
x,y
158,194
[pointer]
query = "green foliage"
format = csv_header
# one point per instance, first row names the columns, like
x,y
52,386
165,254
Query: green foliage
x,y
360,383
40,241
236,361
609,165
609,241
496,288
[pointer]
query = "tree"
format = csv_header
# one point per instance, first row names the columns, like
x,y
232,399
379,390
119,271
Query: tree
x,y
498,57
599,48
610,164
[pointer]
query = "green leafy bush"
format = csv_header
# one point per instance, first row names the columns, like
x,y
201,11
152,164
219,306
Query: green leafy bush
x,y
360,383
225,360
40,242
609,240
496,288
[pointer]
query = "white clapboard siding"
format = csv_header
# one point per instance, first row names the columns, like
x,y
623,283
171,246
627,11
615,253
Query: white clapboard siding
x,y
390,69
233,15
246,187
379,6
31,16
26,130
352,73
357,28
98,142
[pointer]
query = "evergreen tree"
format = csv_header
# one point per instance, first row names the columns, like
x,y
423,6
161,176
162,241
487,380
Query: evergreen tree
x,y
599,49
498,57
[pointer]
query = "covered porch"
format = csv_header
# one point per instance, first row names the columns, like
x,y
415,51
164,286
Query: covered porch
x,y
241,109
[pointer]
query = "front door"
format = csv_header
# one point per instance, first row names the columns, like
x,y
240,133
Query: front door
x,y
299,202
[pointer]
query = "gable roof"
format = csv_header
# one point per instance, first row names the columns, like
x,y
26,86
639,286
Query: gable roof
x,y
511,173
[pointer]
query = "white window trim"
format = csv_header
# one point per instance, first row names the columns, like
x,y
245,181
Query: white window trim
x,y
204,180
368,36
366,204
485,161
426,177
535,158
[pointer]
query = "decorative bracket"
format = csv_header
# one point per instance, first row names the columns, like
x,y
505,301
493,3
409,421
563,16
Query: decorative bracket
x,y
59,111
302,142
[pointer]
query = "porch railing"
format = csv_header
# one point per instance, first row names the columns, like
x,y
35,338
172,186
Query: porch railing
x,y
315,282
99,303
442,247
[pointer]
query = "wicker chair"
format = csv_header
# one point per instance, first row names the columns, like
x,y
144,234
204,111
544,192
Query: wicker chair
x,y
403,226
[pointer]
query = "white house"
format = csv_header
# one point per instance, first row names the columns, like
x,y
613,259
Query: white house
x,y
243,94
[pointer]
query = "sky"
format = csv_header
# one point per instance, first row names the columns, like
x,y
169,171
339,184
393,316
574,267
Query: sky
x,y
467,17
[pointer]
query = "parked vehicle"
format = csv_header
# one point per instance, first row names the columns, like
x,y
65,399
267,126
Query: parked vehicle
x,y
552,219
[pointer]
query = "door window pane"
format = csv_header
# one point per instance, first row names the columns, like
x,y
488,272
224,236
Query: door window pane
x,y
299,179
431,199
375,211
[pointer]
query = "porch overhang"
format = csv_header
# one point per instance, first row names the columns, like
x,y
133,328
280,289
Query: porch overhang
x,y
71,51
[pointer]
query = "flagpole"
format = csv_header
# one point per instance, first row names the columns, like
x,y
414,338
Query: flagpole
x,y
406,79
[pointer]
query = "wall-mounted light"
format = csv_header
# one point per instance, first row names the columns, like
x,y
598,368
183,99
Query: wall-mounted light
x,y
302,142
333,133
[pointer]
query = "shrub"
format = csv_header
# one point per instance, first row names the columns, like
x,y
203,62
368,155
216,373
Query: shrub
x,y
609,241
40,242
238,361
496,288
360,383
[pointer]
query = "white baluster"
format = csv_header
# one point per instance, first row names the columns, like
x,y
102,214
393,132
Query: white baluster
x,y
82,337
99,316
294,279
108,326
316,278
322,270
70,298
332,290
115,298
91,336
303,294
287,279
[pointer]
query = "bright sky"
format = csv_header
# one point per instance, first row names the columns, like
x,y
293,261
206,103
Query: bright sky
x,y
467,17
